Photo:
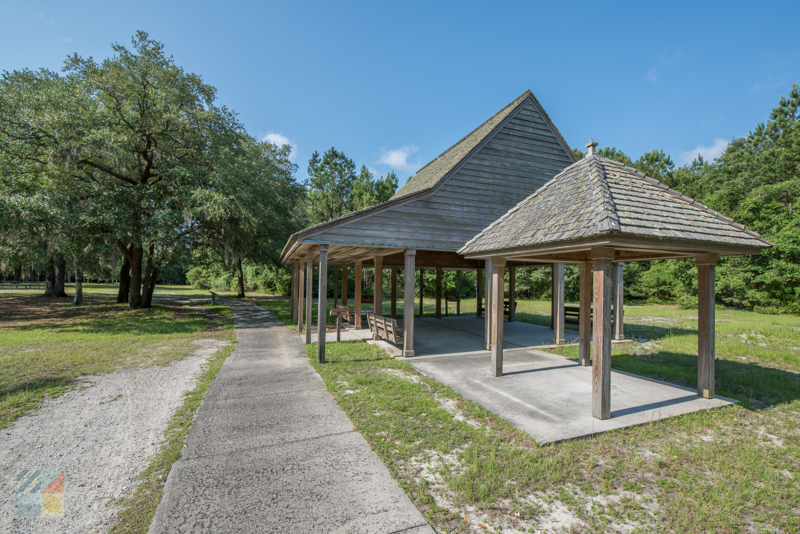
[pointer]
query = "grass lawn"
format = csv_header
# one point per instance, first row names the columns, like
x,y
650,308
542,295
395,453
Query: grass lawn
x,y
727,470
45,344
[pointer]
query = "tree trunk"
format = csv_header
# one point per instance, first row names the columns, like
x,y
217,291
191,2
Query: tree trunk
x,y
18,273
135,300
49,278
61,276
150,287
241,277
77,299
125,276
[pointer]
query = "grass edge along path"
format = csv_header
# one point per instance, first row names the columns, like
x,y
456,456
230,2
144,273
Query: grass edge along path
x,y
137,510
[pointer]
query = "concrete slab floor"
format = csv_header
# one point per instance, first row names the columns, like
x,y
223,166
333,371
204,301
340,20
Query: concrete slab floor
x,y
550,397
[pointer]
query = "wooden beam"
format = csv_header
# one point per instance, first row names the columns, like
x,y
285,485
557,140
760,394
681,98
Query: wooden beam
x,y
479,290
458,293
585,314
322,303
438,292
488,310
601,356
512,293
344,285
358,295
498,290
335,286
394,292
300,296
619,307
309,299
377,299
706,299
558,304
408,304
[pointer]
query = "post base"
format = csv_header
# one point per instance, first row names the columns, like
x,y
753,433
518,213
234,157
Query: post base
x,y
408,354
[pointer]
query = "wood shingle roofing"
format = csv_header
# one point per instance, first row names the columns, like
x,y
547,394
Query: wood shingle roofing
x,y
598,197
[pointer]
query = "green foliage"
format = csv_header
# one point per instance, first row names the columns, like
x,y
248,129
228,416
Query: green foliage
x,y
330,185
611,152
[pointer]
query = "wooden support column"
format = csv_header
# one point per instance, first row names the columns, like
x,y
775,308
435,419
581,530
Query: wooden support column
x,y
438,292
585,314
408,303
553,296
335,286
394,292
421,291
619,307
344,285
293,292
322,303
558,304
458,293
488,311
358,295
377,293
478,291
300,296
498,290
601,355
512,297
706,299
309,295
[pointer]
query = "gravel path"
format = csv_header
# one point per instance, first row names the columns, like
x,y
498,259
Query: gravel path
x,y
101,435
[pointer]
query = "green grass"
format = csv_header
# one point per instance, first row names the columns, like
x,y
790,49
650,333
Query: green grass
x,y
726,470
46,344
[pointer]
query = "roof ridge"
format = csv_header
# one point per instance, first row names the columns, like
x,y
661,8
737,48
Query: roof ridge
x,y
608,220
688,200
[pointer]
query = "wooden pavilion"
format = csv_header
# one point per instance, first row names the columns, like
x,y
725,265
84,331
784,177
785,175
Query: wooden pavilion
x,y
598,213
423,225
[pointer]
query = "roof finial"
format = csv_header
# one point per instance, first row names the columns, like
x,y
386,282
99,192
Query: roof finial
x,y
591,145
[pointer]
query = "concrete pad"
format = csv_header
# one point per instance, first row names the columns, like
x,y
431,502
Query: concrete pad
x,y
329,484
550,397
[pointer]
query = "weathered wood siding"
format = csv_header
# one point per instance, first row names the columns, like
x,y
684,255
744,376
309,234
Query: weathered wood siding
x,y
515,161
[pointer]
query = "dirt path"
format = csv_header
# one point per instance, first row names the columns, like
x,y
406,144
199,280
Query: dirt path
x,y
101,435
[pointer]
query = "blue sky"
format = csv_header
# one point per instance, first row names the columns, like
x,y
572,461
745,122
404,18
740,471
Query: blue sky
x,y
393,84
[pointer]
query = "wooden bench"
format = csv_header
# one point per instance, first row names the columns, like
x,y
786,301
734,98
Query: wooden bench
x,y
213,297
572,315
385,327
448,298
350,315
482,309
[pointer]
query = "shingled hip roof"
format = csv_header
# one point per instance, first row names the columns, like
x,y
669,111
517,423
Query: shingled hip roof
x,y
598,197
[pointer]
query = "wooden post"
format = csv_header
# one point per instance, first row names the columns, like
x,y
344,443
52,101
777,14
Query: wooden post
x,y
488,309
408,303
344,285
300,296
421,291
553,296
358,295
558,304
478,291
394,292
619,313
706,300
585,314
601,355
458,293
335,286
512,297
438,292
322,303
309,295
498,290
294,292
377,293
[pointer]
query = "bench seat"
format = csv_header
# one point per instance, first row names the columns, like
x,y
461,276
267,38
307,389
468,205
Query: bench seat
x,y
385,327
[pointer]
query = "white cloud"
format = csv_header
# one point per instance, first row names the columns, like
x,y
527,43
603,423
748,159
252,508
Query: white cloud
x,y
279,139
68,39
397,159
709,153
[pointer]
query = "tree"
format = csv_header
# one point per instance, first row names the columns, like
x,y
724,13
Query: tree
x,y
367,191
656,164
330,185
611,152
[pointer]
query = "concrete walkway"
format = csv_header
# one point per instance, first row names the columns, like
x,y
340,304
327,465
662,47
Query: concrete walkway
x,y
270,451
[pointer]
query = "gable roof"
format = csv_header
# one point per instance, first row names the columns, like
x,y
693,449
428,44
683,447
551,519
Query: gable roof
x,y
598,196
437,170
